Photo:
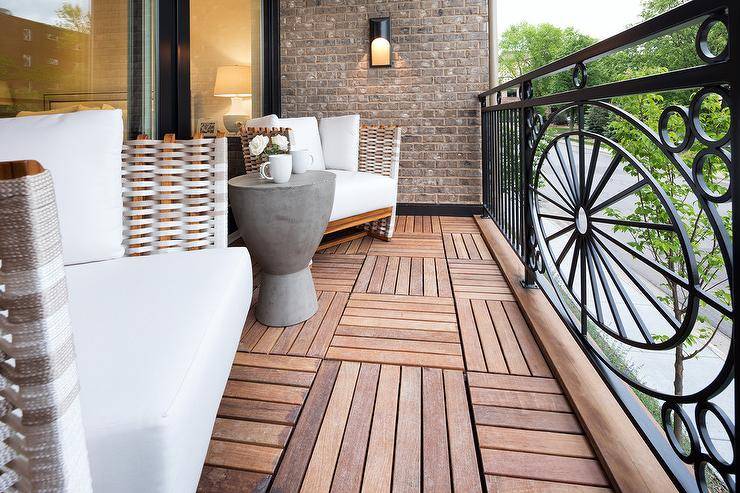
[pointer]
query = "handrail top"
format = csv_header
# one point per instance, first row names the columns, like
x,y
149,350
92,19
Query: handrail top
x,y
640,33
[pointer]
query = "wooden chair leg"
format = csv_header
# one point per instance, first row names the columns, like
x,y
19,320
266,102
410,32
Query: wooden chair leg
x,y
382,228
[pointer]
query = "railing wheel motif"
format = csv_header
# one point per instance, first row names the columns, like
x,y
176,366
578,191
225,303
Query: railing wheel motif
x,y
586,256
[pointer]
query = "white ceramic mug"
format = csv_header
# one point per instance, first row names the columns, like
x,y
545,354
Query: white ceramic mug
x,y
302,160
281,166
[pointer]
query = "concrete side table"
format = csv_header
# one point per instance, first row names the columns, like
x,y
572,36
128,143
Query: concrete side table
x,y
282,225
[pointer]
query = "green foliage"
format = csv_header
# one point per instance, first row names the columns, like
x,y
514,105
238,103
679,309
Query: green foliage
x,y
525,47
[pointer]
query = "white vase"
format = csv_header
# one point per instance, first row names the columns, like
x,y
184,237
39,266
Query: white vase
x,y
280,166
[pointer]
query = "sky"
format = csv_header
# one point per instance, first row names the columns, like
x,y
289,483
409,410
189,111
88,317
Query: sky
x,y
37,10
597,18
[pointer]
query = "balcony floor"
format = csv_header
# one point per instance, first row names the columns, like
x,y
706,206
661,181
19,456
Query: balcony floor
x,y
418,371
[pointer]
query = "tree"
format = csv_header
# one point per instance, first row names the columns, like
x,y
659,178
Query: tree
x,y
74,18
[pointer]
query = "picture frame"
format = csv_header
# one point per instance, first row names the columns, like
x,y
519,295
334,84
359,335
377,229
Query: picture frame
x,y
207,127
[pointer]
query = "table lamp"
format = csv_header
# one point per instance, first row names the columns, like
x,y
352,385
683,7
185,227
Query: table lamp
x,y
235,82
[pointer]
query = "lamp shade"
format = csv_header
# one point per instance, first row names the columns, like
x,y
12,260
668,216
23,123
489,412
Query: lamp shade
x,y
233,81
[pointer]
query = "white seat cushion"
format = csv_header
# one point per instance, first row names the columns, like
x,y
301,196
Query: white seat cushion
x,y
304,134
82,151
358,192
340,141
155,339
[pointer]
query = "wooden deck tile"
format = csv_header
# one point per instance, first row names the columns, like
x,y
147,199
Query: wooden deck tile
x,y
418,245
417,224
452,224
405,275
525,420
470,246
336,272
261,404
306,338
397,329
478,280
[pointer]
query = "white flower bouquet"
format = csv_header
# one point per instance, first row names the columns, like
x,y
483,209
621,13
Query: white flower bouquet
x,y
262,146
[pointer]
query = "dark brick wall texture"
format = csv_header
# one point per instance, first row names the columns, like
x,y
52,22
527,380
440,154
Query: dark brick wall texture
x,y
440,64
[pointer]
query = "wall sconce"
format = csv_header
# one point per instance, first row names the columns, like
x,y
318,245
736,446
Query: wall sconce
x,y
380,42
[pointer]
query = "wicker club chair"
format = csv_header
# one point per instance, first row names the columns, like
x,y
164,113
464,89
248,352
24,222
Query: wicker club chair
x,y
380,151
174,199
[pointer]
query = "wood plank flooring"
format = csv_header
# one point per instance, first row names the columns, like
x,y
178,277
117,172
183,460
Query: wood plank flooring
x,y
418,372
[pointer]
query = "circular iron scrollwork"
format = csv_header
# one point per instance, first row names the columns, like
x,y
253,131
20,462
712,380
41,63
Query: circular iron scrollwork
x,y
702,39
663,130
570,200
579,75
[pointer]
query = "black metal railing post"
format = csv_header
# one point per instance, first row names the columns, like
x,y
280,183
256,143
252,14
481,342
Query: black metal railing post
x,y
485,130
528,248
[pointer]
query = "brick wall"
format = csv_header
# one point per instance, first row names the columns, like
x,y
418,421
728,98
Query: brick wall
x,y
440,64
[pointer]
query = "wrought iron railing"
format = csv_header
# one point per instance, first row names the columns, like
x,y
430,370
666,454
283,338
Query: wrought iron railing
x,y
618,194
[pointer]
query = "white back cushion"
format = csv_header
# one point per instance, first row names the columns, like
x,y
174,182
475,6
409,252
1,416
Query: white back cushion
x,y
304,134
82,151
340,141
267,121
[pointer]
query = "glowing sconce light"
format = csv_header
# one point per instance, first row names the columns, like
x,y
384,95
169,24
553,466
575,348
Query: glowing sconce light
x,y
380,42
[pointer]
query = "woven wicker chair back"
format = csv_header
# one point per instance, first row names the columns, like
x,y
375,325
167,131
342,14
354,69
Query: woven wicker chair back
x,y
174,195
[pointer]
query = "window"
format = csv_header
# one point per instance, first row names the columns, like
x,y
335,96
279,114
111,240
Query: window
x,y
228,36
103,63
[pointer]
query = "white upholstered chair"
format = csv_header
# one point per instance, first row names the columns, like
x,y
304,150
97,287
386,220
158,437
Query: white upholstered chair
x,y
100,333
364,158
